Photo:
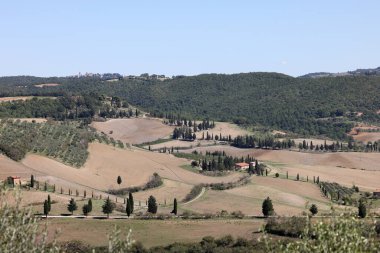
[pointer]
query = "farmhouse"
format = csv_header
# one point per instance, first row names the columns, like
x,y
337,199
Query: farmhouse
x,y
241,166
376,193
14,180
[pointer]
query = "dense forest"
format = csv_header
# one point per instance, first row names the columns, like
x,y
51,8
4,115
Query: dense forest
x,y
308,106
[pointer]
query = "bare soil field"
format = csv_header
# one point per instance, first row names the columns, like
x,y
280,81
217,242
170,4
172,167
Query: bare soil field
x,y
9,167
46,85
105,163
367,136
134,131
346,168
166,193
289,197
225,129
170,231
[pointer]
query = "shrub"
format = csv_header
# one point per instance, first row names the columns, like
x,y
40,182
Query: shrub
x,y
195,191
313,209
338,234
238,214
285,226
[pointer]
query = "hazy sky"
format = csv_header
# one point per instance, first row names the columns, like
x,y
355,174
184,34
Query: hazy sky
x,y
55,38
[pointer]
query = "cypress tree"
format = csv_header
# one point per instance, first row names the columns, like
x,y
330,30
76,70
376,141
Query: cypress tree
x,y
46,208
49,202
128,209
130,196
362,210
32,181
267,207
72,206
108,207
298,177
152,205
86,209
174,207
89,203
119,180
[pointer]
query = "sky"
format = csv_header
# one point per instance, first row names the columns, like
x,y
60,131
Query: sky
x,y
59,38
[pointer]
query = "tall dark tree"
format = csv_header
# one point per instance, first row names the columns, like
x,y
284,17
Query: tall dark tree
x,y
89,203
46,208
32,181
298,177
49,202
128,208
267,207
108,207
86,209
119,180
130,197
174,207
362,209
152,205
72,206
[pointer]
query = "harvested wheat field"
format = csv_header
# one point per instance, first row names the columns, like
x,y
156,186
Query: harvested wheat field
x,y
367,136
9,167
134,131
171,231
225,129
36,198
135,167
289,197
346,168
167,192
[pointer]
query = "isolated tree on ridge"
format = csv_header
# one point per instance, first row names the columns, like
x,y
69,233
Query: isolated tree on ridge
x,y
174,207
119,180
313,209
267,207
46,208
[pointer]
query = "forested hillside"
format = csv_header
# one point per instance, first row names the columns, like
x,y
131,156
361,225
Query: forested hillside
x,y
322,106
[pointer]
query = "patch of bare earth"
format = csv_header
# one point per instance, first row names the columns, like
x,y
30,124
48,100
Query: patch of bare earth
x,y
225,129
170,231
134,131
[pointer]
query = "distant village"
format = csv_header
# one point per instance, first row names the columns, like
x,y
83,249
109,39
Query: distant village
x,y
116,76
